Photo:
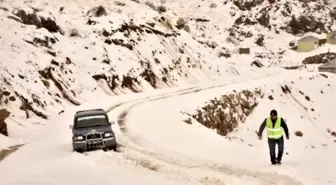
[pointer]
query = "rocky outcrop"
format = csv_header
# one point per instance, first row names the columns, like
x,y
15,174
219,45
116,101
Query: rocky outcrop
x,y
317,17
319,58
247,4
47,75
97,11
304,24
4,114
224,114
39,19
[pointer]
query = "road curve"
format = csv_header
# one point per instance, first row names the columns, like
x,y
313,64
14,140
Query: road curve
x,y
172,163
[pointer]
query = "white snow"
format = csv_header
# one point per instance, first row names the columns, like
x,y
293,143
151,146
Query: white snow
x,y
157,147
163,132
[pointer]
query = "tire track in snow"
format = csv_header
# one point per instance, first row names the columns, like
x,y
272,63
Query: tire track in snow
x,y
267,178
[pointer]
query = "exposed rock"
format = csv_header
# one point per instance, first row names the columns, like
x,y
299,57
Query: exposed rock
x,y
4,114
47,74
201,20
161,9
247,4
298,133
244,20
307,98
319,58
112,81
28,106
304,24
224,114
129,82
264,18
40,21
257,63
225,53
97,11
260,40
149,75
332,133
180,23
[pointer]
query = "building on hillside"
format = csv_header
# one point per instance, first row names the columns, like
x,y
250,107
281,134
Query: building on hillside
x,y
244,51
331,37
328,67
307,44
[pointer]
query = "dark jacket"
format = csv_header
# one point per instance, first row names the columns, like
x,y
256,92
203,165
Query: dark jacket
x,y
283,125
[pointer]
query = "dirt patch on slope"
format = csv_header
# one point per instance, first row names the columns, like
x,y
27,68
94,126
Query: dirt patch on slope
x,y
224,114
6,152
4,114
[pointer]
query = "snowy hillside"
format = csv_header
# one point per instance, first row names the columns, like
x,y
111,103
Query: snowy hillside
x,y
158,147
309,158
65,55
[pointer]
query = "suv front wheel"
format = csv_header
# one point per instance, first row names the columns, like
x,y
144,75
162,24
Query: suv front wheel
x,y
114,148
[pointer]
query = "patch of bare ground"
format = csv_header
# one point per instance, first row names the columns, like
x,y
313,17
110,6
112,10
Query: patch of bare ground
x,y
332,133
224,114
7,96
4,114
47,75
6,152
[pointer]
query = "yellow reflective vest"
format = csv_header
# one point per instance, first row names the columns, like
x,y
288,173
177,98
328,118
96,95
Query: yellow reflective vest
x,y
275,132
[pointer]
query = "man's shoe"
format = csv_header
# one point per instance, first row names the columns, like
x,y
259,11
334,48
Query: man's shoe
x,y
278,162
274,163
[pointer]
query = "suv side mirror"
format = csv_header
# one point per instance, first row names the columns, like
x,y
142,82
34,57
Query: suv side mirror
x,y
70,126
111,122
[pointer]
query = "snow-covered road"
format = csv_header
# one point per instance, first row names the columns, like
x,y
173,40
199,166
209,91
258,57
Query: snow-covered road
x,y
155,147
156,137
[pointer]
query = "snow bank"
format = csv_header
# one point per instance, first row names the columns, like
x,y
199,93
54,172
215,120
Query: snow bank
x,y
169,137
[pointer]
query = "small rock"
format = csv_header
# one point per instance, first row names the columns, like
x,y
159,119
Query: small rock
x,y
298,133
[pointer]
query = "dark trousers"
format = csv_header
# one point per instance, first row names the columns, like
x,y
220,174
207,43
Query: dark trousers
x,y
271,145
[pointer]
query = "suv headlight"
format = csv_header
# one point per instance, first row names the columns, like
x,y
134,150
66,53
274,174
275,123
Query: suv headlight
x,y
108,135
78,138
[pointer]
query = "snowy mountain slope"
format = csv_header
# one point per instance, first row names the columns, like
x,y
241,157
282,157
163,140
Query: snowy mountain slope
x,y
70,62
268,28
108,48
58,55
245,20
162,134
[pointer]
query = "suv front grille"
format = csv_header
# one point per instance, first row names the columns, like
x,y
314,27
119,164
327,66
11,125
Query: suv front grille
x,y
93,136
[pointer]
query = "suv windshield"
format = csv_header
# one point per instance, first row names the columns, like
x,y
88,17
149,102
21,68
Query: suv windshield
x,y
91,121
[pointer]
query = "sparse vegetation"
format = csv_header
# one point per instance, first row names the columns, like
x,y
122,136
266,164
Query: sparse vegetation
x,y
150,4
224,114
119,3
213,5
98,11
74,33
332,133
4,114
161,9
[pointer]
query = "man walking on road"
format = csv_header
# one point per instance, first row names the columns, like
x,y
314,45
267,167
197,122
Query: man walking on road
x,y
275,126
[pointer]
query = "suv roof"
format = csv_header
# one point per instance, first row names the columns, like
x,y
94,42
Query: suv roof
x,y
89,112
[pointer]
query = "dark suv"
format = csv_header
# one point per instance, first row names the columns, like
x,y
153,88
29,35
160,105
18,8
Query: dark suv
x,y
91,130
